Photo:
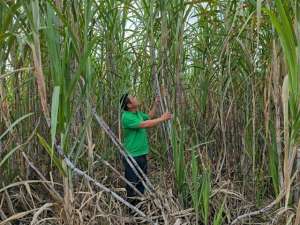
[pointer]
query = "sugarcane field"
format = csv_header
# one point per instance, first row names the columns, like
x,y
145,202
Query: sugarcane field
x,y
149,112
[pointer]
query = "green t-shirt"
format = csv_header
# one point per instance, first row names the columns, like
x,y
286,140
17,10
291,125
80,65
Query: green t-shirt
x,y
135,139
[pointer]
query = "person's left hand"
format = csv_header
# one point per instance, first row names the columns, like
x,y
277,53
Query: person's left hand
x,y
157,100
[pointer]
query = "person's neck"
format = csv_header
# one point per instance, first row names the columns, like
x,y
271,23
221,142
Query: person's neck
x,y
133,110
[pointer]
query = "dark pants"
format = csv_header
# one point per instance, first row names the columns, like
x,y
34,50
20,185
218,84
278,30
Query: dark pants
x,y
133,178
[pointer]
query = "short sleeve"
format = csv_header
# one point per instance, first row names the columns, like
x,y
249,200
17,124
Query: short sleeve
x,y
145,116
131,122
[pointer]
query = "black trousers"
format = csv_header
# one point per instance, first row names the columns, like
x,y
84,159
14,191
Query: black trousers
x,y
133,178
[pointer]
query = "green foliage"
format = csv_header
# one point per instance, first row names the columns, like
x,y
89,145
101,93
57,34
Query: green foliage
x,y
179,159
200,188
52,154
10,128
218,218
273,161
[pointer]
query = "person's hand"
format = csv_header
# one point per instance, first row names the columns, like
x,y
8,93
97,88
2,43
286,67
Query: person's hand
x,y
166,116
157,100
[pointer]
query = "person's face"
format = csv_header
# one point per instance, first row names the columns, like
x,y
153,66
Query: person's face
x,y
133,102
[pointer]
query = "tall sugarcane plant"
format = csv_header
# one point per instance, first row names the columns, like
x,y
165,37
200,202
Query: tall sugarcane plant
x,y
288,33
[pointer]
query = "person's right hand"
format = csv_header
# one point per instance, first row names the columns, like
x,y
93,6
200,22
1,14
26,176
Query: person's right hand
x,y
166,116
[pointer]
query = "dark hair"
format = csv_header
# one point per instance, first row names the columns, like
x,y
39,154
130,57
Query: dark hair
x,y
124,101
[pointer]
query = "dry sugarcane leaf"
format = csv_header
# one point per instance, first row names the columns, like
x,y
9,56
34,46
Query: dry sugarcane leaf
x,y
17,216
178,222
38,72
9,203
28,189
3,216
40,210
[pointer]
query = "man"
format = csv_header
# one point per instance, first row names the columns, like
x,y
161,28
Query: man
x,y
135,140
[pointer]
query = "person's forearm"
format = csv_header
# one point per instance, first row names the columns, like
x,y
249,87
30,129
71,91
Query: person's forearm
x,y
151,123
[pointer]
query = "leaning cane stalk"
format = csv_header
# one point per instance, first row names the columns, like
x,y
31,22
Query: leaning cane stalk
x,y
99,185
